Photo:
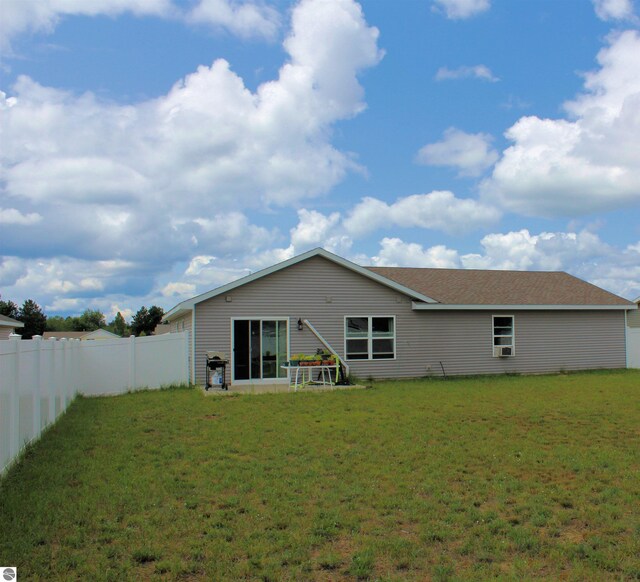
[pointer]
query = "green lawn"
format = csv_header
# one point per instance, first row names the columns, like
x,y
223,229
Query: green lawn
x,y
508,477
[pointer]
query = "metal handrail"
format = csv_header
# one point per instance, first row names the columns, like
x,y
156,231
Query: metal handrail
x,y
327,345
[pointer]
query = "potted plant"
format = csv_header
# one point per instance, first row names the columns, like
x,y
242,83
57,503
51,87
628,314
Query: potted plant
x,y
295,359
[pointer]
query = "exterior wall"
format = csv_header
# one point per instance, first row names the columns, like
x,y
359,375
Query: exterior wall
x,y
181,324
324,293
633,318
5,331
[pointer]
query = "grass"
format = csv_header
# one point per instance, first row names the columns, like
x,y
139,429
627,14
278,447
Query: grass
x,y
499,477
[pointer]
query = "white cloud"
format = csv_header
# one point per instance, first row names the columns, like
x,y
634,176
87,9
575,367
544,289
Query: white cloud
x,y
613,9
590,162
583,254
315,229
203,135
13,216
471,153
178,289
439,210
115,308
547,251
481,72
20,16
161,181
460,9
245,19
396,253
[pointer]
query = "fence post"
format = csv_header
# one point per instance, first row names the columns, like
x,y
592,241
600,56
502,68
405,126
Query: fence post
x,y
187,367
37,387
51,385
14,402
132,362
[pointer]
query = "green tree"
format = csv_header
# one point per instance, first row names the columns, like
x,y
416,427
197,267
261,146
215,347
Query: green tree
x,y
90,320
35,321
8,309
145,320
57,323
119,325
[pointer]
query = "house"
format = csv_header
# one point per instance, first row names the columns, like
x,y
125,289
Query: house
x,y
389,322
8,325
633,337
98,334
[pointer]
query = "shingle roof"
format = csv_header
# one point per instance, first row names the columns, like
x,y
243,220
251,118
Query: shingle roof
x,y
10,322
475,287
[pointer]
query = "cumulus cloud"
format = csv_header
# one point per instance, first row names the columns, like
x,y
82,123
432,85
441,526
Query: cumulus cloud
x,y
315,229
157,182
439,210
203,135
178,289
470,153
461,9
13,216
20,16
396,253
587,162
481,72
613,9
582,254
246,19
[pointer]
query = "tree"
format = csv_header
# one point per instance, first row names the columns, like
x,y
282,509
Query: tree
x,y
90,320
145,320
58,323
155,315
119,325
8,309
35,321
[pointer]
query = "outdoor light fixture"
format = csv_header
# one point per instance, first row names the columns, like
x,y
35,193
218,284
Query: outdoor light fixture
x,y
299,324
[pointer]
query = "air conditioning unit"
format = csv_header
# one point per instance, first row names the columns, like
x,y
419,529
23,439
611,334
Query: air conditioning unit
x,y
503,351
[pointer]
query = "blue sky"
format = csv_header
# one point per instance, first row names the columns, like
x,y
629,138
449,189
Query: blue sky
x,y
154,149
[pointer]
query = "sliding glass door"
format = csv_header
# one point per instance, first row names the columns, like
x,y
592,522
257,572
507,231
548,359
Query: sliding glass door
x,y
259,349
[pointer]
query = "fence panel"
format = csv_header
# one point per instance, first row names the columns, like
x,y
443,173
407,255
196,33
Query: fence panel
x,y
39,379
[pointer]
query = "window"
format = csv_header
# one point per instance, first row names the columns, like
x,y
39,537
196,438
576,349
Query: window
x,y
503,336
370,338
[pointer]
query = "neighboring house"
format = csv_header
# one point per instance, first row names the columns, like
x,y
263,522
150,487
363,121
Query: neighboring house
x,y
98,334
388,322
161,329
8,326
633,337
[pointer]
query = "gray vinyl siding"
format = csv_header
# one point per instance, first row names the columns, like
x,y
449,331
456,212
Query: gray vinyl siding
x,y
324,293
5,332
181,324
633,318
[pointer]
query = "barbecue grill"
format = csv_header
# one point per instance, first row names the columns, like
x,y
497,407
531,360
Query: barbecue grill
x,y
216,376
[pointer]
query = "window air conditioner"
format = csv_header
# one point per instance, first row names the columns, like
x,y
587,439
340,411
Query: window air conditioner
x,y
505,352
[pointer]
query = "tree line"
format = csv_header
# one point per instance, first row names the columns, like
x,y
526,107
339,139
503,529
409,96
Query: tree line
x,y
36,322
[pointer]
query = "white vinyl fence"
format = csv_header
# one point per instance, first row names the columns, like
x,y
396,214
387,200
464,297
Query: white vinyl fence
x,y
633,347
38,379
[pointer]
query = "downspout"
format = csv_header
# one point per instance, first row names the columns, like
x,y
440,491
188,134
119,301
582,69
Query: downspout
x,y
326,344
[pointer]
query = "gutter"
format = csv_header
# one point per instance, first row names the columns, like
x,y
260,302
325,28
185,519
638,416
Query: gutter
x,y
418,306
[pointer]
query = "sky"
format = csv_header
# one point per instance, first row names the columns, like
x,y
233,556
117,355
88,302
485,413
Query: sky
x,y
151,150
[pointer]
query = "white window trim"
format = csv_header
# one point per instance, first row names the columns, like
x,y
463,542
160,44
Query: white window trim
x,y
513,335
369,338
